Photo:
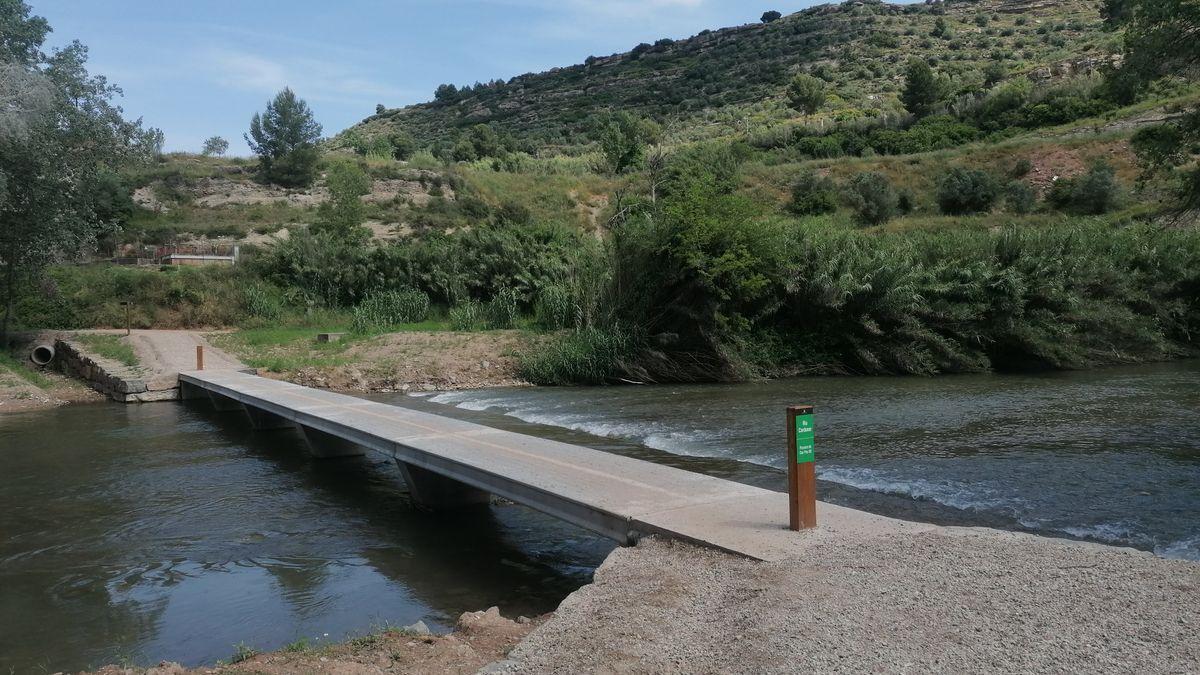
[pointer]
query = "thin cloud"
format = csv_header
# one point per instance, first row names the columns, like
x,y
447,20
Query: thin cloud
x,y
312,79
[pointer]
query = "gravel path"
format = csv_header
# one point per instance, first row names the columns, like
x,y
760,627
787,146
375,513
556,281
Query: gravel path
x,y
918,600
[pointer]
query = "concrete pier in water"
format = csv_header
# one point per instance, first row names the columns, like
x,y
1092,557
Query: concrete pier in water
x,y
449,463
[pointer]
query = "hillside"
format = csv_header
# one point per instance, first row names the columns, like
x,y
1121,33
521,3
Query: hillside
x,y
730,78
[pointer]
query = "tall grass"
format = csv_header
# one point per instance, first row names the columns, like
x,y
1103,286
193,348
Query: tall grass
x,y
1080,294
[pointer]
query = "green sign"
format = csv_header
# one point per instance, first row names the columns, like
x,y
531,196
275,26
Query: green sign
x,y
805,447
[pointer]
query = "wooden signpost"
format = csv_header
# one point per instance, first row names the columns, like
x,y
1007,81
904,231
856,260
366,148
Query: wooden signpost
x,y
199,357
802,473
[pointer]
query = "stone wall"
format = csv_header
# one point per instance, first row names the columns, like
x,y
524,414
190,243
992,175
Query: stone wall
x,y
122,383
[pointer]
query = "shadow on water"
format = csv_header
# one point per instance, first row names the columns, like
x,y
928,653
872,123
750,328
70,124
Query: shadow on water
x,y
155,532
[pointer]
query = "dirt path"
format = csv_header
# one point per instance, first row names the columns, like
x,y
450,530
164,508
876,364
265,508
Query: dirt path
x,y
166,353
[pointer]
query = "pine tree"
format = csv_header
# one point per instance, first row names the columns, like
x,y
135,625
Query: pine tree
x,y
806,94
922,91
284,138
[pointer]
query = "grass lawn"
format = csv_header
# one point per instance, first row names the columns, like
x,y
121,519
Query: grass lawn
x,y
110,347
12,363
287,349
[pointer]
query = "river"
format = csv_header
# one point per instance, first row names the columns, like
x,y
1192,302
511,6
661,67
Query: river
x,y
164,531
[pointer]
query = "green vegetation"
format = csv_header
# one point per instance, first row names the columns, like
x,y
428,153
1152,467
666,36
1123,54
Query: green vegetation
x,y
699,86
855,188
15,364
284,138
342,215
385,310
111,347
964,191
215,146
61,141
242,652
874,200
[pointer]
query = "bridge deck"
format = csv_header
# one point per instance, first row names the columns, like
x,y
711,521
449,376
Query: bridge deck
x,y
620,497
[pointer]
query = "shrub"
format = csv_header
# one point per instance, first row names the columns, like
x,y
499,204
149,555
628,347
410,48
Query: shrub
x,y
873,198
1019,197
466,316
812,195
964,191
587,356
262,302
380,311
503,309
1020,168
555,308
1091,193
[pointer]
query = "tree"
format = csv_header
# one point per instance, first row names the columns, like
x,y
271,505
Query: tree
x,y
994,73
1161,39
771,16
806,94
445,93
61,141
941,29
922,91
215,146
284,138
624,141
341,216
380,108
154,140
403,145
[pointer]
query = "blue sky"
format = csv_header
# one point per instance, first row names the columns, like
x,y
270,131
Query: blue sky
x,y
195,69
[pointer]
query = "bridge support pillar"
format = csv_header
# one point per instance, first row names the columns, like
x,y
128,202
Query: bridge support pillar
x,y
224,403
323,444
262,420
437,492
190,392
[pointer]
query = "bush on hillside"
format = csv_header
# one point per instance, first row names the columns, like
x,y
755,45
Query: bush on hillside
x,y
963,191
1019,197
1090,193
873,198
813,194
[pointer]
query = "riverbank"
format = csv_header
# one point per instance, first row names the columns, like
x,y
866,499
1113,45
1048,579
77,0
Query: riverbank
x,y
886,598
923,600
24,388
479,638
410,360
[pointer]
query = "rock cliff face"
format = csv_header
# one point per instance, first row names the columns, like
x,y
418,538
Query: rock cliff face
x,y
859,48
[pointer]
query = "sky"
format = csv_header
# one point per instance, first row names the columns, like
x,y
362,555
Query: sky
x,y
198,69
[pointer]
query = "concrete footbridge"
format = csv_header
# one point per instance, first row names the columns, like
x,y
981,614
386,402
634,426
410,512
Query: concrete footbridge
x,y
451,463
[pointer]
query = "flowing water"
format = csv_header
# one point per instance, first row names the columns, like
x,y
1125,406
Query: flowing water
x,y
165,531
1109,455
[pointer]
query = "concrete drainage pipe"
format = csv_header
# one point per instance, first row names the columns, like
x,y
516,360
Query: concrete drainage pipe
x,y
42,355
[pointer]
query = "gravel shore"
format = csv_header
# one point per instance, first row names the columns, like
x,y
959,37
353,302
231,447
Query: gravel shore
x,y
910,600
